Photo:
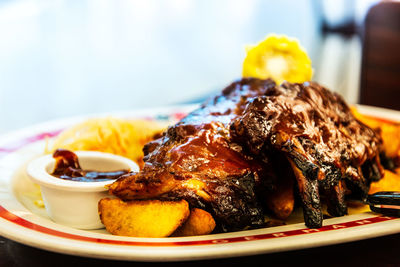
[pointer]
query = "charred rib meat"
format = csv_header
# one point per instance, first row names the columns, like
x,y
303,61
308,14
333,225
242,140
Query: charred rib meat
x,y
328,149
249,144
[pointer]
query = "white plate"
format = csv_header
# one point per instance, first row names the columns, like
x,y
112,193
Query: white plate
x,y
24,222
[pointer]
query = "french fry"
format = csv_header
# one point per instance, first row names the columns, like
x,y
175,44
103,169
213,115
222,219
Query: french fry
x,y
281,201
142,218
200,222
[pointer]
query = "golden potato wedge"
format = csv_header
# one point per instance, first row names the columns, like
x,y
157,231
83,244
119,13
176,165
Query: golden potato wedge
x,y
200,222
389,182
142,218
390,132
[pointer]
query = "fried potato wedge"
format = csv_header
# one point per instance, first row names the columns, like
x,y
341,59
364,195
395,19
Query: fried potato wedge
x,y
200,222
389,130
389,182
142,218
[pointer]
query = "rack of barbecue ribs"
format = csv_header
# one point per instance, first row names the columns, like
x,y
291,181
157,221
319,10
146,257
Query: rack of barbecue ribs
x,y
256,148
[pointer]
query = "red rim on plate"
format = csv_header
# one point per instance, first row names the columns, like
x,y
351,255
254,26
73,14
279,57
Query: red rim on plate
x,y
22,222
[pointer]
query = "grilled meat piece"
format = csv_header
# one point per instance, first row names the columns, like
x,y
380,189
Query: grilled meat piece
x,y
249,145
328,149
195,160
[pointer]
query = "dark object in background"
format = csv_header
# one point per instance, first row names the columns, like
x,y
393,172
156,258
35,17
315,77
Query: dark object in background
x,y
380,70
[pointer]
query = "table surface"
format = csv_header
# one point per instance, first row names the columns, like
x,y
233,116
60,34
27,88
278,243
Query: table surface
x,y
382,251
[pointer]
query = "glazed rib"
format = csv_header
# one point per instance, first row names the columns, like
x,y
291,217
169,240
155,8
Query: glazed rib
x,y
240,153
196,160
328,149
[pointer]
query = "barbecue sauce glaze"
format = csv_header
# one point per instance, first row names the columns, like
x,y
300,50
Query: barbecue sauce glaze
x,y
67,167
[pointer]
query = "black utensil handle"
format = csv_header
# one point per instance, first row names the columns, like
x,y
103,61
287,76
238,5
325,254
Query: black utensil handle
x,y
387,203
386,211
384,198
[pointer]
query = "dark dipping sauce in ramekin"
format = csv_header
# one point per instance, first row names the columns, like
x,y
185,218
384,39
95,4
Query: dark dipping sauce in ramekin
x,y
67,167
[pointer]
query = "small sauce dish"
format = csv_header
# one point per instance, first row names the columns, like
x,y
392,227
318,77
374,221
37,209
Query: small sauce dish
x,y
74,203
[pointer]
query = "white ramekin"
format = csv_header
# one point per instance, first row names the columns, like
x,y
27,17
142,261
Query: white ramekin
x,y
74,203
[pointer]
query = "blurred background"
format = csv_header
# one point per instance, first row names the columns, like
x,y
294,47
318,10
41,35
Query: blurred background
x,y
64,58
